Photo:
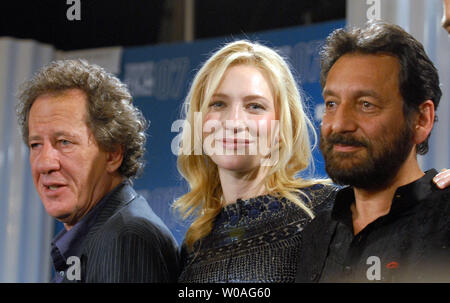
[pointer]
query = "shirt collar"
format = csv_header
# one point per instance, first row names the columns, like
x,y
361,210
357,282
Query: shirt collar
x,y
419,189
403,198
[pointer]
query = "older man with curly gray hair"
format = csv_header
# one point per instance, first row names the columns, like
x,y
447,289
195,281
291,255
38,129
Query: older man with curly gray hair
x,y
86,142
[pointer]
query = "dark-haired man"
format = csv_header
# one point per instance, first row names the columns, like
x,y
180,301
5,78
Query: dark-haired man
x,y
392,223
86,142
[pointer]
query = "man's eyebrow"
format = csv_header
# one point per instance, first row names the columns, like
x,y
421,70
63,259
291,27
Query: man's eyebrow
x,y
328,92
358,93
367,92
56,134
63,133
31,138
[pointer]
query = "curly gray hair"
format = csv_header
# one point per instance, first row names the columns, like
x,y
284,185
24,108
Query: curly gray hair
x,y
111,116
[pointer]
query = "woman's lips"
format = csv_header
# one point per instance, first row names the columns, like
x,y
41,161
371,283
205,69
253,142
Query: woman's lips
x,y
234,143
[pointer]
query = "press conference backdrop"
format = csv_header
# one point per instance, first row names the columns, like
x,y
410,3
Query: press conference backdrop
x,y
159,78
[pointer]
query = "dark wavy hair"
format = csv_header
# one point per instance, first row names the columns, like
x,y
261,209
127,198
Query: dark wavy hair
x,y
418,77
111,116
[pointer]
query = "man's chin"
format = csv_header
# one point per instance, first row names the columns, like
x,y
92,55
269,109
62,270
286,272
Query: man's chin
x,y
353,172
345,164
369,178
350,179
62,218
58,214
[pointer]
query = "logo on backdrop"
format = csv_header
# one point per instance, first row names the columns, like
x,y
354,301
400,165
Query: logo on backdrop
x,y
163,79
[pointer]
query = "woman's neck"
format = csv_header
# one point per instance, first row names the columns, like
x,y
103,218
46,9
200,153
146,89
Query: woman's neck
x,y
237,185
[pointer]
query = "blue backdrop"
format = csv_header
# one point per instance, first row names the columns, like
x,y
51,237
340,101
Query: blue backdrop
x,y
159,77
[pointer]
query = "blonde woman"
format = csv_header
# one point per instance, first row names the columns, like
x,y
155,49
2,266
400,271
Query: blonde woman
x,y
246,200
248,208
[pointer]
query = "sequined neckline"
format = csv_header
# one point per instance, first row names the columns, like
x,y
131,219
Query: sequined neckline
x,y
249,209
239,203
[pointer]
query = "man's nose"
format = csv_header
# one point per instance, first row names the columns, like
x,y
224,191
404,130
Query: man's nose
x,y
343,120
47,160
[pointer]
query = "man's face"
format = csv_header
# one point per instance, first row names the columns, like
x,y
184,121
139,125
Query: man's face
x,y
364,135
68,168
446,16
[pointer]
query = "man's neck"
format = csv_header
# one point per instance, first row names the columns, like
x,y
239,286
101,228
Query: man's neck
x,y
372,204
102,189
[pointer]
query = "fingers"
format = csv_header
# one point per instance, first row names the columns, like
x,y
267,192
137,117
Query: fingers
x,y
442,179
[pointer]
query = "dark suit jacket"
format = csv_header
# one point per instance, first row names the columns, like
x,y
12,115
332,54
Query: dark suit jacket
x,y
128,243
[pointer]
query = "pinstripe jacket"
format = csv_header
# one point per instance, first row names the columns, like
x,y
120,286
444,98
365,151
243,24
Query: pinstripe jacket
x,y
128,243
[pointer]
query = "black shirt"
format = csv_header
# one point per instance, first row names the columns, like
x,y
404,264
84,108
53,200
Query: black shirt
x,y
409,244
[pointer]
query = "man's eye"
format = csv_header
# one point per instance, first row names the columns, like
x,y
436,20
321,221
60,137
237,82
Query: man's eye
x,y
34,145
367,105
65,142
330,104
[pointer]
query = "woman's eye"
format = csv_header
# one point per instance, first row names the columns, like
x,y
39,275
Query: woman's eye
x,y
217,104
256,106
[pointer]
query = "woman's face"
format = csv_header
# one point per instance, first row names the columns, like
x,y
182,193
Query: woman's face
x,y
240,120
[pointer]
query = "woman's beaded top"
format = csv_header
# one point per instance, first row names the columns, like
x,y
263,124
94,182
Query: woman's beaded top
x,y
254,240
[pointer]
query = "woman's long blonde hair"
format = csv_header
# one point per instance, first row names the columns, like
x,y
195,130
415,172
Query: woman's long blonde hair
x,y
203,202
